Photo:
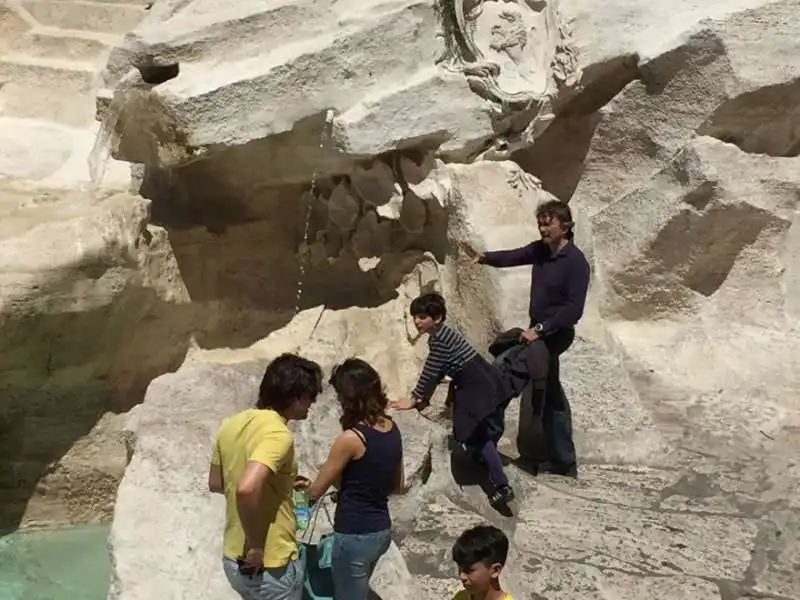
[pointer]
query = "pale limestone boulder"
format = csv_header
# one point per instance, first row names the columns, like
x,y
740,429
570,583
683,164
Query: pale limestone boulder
x,y
697,281
619,527
51,55
683,378
77,276
710,228
723,77
173,434
462,77
605,32
440,504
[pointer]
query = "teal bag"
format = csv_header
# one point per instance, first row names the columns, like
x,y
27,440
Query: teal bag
x,y
316,559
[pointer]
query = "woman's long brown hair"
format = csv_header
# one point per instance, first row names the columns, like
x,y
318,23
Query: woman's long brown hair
x,y
360,392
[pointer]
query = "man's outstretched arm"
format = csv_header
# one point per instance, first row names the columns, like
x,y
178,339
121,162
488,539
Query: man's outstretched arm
x,y
516,257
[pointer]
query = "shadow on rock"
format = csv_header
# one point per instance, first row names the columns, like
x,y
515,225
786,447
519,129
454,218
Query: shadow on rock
x,y
61,373
251,253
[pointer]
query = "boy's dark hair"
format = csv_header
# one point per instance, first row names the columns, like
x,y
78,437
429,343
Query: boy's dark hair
x,y
481,544
360,392
560,210
429,305
288,378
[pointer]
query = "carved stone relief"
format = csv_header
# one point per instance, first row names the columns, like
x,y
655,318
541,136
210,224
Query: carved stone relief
x,y
514,53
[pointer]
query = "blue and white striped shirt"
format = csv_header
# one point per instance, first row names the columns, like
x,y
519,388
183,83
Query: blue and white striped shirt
x,y
448,353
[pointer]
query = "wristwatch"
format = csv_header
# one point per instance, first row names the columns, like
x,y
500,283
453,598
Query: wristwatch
x,y
538,328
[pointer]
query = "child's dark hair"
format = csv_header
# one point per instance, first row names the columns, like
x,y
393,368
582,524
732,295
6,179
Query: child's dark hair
x,y
481,544
429,305
360,392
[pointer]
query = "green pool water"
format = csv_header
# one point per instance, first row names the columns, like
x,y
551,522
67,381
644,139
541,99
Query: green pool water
x,y
68,563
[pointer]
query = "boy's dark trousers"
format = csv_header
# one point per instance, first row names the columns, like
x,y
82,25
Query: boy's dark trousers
x,y
538,363
478,395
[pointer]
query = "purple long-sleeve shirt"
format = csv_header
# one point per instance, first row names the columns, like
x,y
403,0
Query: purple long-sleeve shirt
x,y
558,283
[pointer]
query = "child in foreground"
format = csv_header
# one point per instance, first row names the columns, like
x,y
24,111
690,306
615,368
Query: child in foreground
x,y
478,391
480,554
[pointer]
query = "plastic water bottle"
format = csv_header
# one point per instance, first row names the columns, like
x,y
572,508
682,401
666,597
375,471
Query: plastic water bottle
x,y
302,514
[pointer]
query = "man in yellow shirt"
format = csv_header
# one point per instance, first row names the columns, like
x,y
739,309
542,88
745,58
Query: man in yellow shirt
x,y
481,554
253,464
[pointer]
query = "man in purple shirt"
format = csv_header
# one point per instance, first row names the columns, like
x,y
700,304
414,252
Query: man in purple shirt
x,y
559,283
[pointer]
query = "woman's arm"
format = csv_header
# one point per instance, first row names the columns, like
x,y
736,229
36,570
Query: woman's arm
x,y
400,479
344,449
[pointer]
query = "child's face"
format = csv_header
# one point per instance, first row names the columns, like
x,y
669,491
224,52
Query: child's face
x,y
424,323
479,578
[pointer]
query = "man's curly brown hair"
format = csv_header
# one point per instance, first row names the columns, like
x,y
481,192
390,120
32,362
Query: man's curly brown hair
x,y
360,392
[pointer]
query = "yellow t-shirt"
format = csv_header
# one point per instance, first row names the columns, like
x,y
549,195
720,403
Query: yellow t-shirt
x,y
261,436
464,595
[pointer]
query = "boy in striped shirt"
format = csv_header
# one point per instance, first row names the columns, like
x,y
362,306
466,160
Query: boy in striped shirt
x,y
478,392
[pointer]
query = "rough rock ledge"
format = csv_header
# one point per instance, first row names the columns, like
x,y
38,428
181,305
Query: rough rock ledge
x,y
672,129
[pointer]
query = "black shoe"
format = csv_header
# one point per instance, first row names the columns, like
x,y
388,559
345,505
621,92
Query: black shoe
x,y
555,468
502,496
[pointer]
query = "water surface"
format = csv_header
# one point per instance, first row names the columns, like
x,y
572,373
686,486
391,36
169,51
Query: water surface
x,y
69,563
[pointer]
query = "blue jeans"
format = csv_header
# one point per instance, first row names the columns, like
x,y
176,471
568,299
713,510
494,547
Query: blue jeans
x,y
282,583
354,558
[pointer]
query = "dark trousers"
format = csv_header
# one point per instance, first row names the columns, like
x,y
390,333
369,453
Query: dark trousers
x,y
482,447
545,397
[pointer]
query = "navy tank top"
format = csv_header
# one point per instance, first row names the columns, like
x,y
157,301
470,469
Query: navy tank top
x,y
367,482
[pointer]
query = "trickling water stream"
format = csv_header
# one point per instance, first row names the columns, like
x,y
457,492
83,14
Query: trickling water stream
x,y
107,135
324,139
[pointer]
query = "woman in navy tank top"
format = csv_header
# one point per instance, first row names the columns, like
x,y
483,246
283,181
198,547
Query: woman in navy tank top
x,y
367,458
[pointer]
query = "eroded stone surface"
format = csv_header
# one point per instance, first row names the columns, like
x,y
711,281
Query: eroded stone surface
x,y
677,148
487,71
75,276
670,491
51,55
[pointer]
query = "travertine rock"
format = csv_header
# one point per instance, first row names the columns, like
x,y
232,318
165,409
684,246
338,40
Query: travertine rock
x,y
313,155
487,73
715,69
51,55
86,292
679,157
696,519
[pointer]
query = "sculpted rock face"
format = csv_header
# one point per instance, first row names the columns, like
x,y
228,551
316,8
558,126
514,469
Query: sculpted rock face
x,y
310,166
88,286
487,72
76,276
51,55
686,183
214,383
677,150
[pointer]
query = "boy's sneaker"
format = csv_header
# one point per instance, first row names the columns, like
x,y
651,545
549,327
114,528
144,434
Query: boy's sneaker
x,y
502,496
